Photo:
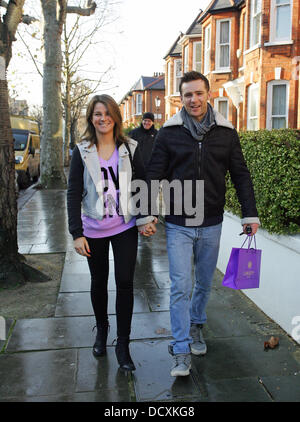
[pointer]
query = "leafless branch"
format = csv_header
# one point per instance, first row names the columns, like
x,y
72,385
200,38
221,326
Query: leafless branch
x,y
88,11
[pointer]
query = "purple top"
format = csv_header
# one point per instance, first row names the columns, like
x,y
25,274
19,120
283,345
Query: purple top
x,y
112,222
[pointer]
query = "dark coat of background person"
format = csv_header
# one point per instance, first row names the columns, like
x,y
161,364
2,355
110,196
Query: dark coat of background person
x,y
145,138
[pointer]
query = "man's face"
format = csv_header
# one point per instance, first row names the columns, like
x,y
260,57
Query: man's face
x,y
194,97
147,123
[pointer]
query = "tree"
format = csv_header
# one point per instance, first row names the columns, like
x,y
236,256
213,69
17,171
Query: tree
x,y
76,43
54,13
13,269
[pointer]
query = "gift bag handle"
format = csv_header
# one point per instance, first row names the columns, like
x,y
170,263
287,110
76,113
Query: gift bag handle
x,y
249,238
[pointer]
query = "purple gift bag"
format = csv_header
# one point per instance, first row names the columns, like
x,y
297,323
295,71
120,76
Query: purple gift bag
x,y
243,268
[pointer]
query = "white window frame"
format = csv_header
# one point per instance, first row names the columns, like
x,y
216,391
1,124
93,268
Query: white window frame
x,y
139,104
216,104
186,59
207,49
270,101
176,77
252,17
169,79
125,110
196,63
132,106
245,37
251,88
273,21
218,45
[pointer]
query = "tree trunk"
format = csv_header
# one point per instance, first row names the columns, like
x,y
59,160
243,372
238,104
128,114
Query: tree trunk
x,y
13,270
52,171
67,103
10,263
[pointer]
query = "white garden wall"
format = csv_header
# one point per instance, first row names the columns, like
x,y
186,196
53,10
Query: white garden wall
x,y
279,293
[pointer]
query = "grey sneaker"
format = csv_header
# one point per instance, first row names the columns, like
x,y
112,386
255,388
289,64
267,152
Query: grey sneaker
x,y
198,346
181,364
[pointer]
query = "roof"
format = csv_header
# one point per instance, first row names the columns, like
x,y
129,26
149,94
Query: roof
x,y
175,50
157,84
196,27
219,5
146,83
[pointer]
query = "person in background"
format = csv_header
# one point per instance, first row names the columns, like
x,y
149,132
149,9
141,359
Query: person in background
x,y
96,186
145,135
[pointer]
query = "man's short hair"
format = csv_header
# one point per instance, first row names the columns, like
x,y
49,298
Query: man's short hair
x,y
193,76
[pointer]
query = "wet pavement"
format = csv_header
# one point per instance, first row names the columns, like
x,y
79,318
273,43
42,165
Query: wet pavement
x,y
50,359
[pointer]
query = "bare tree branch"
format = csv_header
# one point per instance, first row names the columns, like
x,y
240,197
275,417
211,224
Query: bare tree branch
x,y
88,11
33,59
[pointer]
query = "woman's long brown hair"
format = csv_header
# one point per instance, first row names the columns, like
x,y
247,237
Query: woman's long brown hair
x,y
113,110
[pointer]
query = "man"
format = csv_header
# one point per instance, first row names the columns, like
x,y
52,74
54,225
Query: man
x,y
197,144
145,135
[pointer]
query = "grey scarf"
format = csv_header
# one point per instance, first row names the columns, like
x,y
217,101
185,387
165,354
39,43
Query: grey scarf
x,y
198,129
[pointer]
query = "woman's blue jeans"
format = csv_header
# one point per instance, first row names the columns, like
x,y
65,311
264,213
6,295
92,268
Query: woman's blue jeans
x,y
183,245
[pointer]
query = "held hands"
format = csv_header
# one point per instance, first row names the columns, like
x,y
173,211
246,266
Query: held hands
x,y
148,229
82,247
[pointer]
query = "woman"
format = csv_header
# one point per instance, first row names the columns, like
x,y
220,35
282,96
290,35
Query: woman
x,y
95,186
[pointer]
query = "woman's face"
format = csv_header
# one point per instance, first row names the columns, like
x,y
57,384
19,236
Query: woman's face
x,y
102,121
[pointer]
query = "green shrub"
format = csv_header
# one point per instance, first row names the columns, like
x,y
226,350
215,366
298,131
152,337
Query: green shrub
x,y
273,159
129,129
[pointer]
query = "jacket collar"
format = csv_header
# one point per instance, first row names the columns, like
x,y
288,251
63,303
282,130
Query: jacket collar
x,y
176,120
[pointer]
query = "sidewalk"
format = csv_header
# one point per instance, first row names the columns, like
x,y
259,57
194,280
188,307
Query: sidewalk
x,y
50,359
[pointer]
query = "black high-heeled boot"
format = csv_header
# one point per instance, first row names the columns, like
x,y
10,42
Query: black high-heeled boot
x,y
123,355
99,348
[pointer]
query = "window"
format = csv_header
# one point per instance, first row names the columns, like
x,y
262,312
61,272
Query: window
x,y
186,59
223,44
207,50
177,75
277,101
253,107
169,78
245,37
281,20
255,22
197,46
138,103
132,105
221,105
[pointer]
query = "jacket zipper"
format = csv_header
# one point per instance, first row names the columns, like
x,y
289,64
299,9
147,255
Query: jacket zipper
x,y
199,158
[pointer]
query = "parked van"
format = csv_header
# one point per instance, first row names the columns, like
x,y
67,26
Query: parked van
x,y
27,149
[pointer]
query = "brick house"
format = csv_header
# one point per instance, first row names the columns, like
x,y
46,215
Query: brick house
x,y
251,56
147,94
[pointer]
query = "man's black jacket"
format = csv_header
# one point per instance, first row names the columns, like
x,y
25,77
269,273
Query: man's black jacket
x,y
177,155
145,138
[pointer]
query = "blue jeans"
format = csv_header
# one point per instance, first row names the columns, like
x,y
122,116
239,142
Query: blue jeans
x,y
183,244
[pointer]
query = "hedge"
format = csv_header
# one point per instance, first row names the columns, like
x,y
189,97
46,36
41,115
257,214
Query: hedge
x,y
273,159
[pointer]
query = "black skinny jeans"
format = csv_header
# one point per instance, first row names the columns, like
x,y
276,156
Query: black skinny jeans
x,y
124,247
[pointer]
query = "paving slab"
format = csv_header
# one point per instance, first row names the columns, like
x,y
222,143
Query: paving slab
x,y
37,373
237,390
75,332
239,357
283,388
101,374
159,299
152,379
79,303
